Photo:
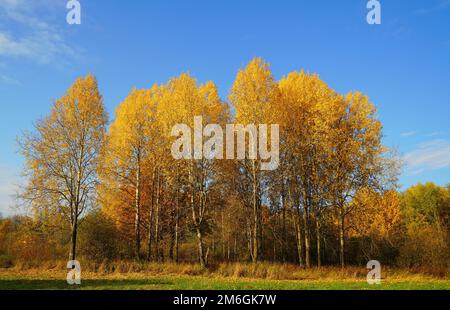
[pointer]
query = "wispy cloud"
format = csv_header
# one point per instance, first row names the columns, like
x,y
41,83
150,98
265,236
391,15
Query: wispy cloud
x,y
408,134
441,5
43,47
35,37
4,79
428,156
434,134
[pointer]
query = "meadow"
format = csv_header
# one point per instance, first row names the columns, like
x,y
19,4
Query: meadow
x,y
239,276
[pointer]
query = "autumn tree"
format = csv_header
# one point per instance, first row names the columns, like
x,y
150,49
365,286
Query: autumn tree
x,y
183,103
62,155
334,180
253,92
425,210
375,224
129,150
355,162
306,112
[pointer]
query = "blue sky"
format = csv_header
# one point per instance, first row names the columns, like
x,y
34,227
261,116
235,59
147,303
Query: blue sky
x,y
403,65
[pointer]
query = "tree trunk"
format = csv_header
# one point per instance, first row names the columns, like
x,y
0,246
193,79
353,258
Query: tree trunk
x,y
73,238
201,254
319,261
172,239
224,255
137,220
150,220
284,242
260,227
249,238
234,250
177,223
213,236
297,220
298,235
341,238
255,237
157,215
197,217
306,235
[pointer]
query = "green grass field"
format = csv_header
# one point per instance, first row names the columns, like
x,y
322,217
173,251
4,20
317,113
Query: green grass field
x,y
92,281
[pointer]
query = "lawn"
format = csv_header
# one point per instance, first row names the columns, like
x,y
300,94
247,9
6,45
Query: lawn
x,y
134,281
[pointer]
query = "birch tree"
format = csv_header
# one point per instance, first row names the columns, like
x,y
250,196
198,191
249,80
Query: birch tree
x,y
61,155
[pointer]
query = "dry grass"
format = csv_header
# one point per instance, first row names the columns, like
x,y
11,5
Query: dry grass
x,y
126,275
267,271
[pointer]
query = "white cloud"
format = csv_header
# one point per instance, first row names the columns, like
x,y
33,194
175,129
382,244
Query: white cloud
x,y
408,134
4,79
434,134
42,47
38,40
429,156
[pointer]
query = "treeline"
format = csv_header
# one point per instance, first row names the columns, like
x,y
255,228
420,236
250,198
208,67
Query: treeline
x,y
117,193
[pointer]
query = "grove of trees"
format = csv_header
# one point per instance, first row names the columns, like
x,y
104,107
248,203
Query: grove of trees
x,y
113,191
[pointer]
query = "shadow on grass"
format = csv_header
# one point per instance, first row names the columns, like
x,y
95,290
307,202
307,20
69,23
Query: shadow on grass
x,y
100,284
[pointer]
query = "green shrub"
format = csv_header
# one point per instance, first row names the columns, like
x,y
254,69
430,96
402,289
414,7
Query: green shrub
x,y
98,238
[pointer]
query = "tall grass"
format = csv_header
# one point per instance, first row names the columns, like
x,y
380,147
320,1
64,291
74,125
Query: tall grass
x,y
263,270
